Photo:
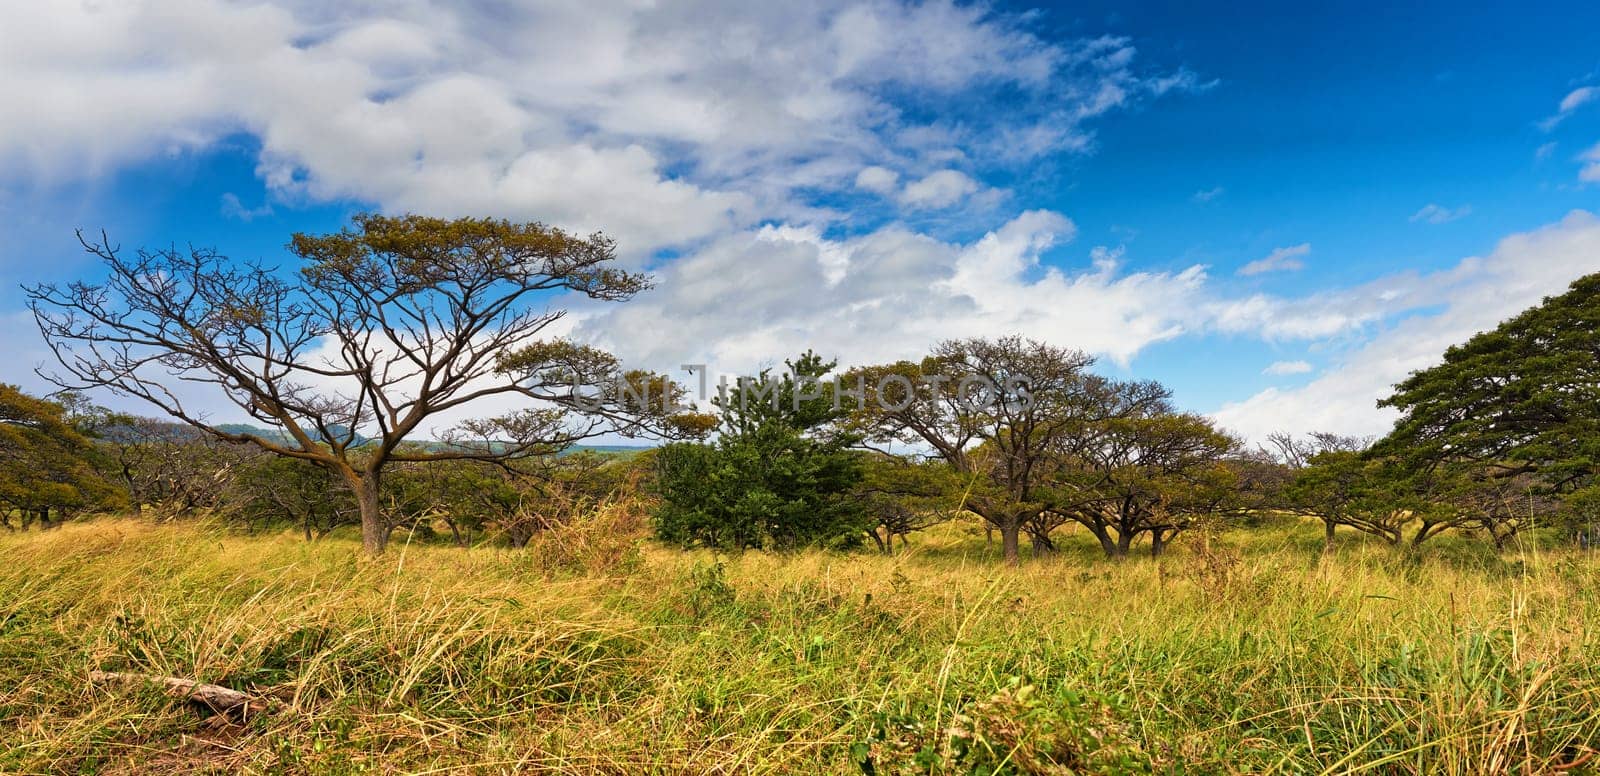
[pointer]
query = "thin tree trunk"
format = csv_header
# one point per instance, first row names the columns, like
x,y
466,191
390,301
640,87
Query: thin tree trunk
x,y
1327,535
1158,542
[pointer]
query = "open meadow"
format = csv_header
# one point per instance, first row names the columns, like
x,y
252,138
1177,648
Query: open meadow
x,y
595,650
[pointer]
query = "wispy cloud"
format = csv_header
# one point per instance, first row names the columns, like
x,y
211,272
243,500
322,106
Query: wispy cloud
x,y
1438,214
1208,194
1280,260
233,208
1591,168
1574,100
1287,368
1472,296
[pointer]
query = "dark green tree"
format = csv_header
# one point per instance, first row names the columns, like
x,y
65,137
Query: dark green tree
x,y
1523,398
780,474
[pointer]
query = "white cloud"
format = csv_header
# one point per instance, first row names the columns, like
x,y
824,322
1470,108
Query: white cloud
x,y
1574,100
1438,214
1287,368
1280,260
1475,294
938,190
1544,151
1591,168
636,118
1207,195
880,180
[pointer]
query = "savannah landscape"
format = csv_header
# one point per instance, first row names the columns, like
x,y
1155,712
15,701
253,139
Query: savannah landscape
x,y
934,387
1070,576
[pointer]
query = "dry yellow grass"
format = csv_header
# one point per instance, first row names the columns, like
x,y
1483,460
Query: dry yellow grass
x,y
598,652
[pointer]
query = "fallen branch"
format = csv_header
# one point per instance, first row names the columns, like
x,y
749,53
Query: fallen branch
x,y
214,696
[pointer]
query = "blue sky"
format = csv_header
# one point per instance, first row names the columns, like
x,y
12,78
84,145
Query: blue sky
x,y
868,177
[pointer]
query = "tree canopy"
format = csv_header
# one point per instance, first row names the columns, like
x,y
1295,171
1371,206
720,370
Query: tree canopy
x,y
1524,397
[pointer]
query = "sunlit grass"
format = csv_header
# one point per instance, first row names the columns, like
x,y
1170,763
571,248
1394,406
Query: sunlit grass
x,y
596,651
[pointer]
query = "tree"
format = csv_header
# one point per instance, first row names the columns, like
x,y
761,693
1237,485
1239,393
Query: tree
x,y
902,495
385,325
1523,398
1146,469
1328,493
1001,413
170,468
1350,488
780,474
271,489
46,466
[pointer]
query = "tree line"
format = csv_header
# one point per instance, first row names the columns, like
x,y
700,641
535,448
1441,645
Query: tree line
x,y
393,321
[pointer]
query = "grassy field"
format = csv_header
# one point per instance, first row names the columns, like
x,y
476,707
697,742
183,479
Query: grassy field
x,y
594,652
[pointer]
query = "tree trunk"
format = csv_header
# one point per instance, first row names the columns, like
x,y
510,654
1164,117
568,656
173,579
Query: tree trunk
x,y
1041,544
1158,542
877,539
374,526
1106,543
1009,534
1124,543
1327,535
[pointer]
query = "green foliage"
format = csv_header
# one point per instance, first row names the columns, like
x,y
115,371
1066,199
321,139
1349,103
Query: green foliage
x,y
779,475
1526,394
45,463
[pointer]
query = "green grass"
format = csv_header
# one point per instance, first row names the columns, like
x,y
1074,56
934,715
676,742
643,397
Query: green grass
x,y
595,652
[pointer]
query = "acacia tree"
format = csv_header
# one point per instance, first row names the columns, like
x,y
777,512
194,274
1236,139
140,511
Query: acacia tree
x,y
1007,443
386,324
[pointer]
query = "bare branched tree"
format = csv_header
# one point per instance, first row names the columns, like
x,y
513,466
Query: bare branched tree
x,y
383,326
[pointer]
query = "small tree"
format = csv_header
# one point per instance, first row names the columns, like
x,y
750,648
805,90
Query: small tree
x,y
270,489
384,326
1327,493
904,495
1147,470
780,474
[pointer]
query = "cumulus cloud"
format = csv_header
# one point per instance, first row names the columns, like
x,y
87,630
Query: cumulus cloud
x,y
939,190
1280,260
890,294
635,118
879,180
1475,295
1438,214
1278,368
